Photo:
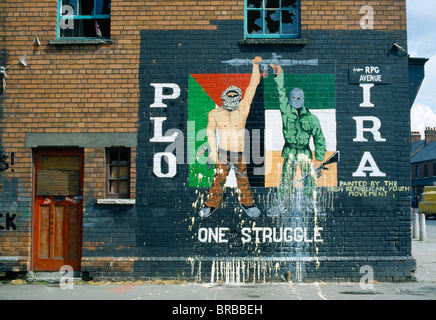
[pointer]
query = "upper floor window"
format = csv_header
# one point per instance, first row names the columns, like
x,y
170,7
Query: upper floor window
x,y
84,19
272,18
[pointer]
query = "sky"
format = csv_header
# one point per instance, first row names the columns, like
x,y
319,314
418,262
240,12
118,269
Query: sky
x,y
421,20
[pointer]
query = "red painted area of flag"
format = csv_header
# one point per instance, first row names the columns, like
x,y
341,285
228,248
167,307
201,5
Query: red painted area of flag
x,y
215,84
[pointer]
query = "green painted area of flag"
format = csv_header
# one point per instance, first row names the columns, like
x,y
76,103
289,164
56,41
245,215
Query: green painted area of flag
x,y
319,90
199,106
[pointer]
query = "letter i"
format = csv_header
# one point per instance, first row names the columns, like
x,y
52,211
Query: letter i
x,y
367,95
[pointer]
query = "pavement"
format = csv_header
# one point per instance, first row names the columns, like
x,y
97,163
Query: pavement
x,y
198,294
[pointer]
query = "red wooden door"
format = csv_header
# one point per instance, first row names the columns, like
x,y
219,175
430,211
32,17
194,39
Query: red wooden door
x,y
58,208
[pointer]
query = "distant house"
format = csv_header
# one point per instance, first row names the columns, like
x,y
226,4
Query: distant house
x,y
423,162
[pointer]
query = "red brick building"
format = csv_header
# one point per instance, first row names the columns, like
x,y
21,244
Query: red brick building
x,y
84,188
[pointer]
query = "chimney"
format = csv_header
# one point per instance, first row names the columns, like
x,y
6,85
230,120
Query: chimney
x,y
430,135
415,136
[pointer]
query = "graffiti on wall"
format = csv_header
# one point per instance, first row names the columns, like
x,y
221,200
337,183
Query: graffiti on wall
x,y
13,210
272,130
289,146
267,131
9,223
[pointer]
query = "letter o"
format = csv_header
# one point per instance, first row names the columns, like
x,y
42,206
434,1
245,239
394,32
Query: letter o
x,y
172,164
202,234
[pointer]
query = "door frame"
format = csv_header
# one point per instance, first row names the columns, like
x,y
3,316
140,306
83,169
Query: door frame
x,y
61,151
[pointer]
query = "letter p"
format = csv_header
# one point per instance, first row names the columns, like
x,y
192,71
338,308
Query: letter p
x,y
159,95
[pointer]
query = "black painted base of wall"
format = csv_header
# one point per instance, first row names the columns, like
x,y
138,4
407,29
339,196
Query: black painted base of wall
x,y
255,270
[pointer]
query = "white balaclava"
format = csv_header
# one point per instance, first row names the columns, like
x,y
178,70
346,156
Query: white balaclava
x,y
296,98
232,96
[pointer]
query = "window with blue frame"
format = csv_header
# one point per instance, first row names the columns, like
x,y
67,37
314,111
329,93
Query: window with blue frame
x,y
272,18
84,19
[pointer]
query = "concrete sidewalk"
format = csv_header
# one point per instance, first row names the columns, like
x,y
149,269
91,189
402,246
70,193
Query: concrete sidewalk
x,y
425,254
422,289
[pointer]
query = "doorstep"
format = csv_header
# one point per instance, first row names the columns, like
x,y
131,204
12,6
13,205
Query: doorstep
x,y
53,277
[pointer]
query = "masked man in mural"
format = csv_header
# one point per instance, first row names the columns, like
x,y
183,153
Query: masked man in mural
x,y
230,121
299,125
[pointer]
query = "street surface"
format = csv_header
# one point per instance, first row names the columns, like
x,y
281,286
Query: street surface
x,y
423,289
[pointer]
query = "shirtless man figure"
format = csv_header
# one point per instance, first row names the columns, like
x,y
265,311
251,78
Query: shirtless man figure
x,y
230,120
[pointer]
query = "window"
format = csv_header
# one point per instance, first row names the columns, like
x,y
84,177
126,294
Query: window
x,y
417,171
426,170
434,169
118,173
59,175
272,18
84,19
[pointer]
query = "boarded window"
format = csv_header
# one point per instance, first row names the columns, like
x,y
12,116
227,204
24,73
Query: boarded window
x,y
58,176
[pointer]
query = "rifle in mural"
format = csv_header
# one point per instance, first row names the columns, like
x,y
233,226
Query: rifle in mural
x,y
334,158
275,60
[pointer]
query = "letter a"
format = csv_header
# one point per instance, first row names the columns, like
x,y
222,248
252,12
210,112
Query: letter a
x,y
375,171
367,21
67,24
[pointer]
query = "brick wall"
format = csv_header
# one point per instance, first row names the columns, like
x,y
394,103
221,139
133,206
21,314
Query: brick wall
x,y
106,89
345,15
64,89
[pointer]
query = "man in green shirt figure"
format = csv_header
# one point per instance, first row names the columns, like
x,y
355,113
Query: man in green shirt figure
x,y
299,125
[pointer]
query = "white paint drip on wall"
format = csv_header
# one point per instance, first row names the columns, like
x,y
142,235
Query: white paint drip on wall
x,y
240,271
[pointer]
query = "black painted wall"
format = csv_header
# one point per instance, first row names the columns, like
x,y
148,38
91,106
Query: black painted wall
x,y
359,227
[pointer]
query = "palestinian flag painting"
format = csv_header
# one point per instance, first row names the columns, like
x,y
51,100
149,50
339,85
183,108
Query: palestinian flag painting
x,y
264,136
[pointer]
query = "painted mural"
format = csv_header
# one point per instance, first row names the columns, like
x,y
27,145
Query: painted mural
x,y
290,145
263,158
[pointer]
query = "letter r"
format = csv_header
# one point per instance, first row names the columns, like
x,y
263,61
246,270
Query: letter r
x,y
374,130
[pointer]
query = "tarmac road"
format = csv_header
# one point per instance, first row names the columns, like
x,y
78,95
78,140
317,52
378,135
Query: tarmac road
x,y
422,289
